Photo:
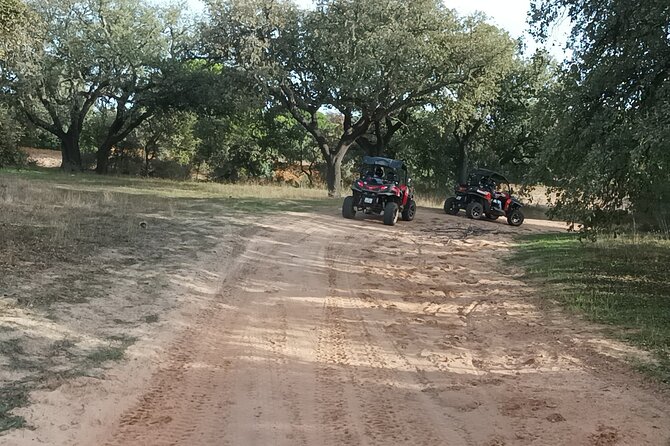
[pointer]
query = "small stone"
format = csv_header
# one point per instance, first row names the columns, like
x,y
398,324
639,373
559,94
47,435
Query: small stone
x,y
555,418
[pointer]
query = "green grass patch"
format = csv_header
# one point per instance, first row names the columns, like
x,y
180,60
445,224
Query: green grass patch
x,y
113,352
11,397
621,282
151,318
107,353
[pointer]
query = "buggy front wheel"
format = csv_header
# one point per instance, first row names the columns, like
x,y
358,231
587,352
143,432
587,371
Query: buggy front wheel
x,y
348,210
391,213
515,218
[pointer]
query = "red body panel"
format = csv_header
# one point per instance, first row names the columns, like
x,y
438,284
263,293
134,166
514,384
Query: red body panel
x,y
405,195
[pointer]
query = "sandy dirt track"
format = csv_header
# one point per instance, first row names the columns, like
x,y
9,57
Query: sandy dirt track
x,y
325,331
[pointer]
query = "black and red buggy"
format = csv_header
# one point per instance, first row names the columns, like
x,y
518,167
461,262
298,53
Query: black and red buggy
x,y
486,194
383,188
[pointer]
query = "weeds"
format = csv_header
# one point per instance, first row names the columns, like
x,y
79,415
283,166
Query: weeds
x,y
11,397
151,319
16,357
115,351
620,282
108,353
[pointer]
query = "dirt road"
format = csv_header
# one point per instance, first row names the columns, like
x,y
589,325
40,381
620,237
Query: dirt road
x,y
324,331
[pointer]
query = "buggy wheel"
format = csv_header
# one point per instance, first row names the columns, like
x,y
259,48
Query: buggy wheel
x,y
348,210
410,211
475,210
450,206
515,218
391,213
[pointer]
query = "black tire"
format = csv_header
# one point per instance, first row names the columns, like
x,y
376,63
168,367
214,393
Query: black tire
x,y
391,213
492,217
475,210
410,211
348,210
450,206
515,218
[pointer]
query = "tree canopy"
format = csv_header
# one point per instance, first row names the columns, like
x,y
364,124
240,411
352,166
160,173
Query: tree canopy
x,y
364,60
89,54
608,151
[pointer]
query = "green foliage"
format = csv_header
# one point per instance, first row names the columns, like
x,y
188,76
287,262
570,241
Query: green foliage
x,y
521,115
608,151
10,133
168,138
232,147
500,127
619,282
428,150
89,53
15,20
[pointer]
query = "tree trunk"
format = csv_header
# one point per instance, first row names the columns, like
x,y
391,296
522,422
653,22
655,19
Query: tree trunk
x,y
334,175
462,163
146,161
71,153
463,142
102,157
124,123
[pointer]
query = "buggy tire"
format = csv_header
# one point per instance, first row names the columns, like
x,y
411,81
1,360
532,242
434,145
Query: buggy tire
x,y
515,218
391,213
410,211
450,206
348,210
475,210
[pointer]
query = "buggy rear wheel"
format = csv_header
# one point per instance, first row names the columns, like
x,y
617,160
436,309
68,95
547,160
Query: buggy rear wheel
x,y
475,210
451,206
391,213
410,211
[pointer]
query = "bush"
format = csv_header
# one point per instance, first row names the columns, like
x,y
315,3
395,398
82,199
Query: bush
x,y
10,133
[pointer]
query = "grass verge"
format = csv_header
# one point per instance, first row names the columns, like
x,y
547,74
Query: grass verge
x,y
619,282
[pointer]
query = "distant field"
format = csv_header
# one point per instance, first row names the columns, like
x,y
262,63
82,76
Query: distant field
x,y
535,198
43,157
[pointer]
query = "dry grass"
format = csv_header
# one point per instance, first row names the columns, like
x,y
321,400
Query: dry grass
x,y
84,259
171,188
430,199
45,225
55,217
43,157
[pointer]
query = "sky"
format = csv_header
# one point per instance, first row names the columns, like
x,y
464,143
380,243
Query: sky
x,y
508,14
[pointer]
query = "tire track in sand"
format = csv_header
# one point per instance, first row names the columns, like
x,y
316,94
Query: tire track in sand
x,y
186,398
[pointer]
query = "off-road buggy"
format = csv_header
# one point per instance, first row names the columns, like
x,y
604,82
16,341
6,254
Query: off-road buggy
x,y
480,197
383,187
